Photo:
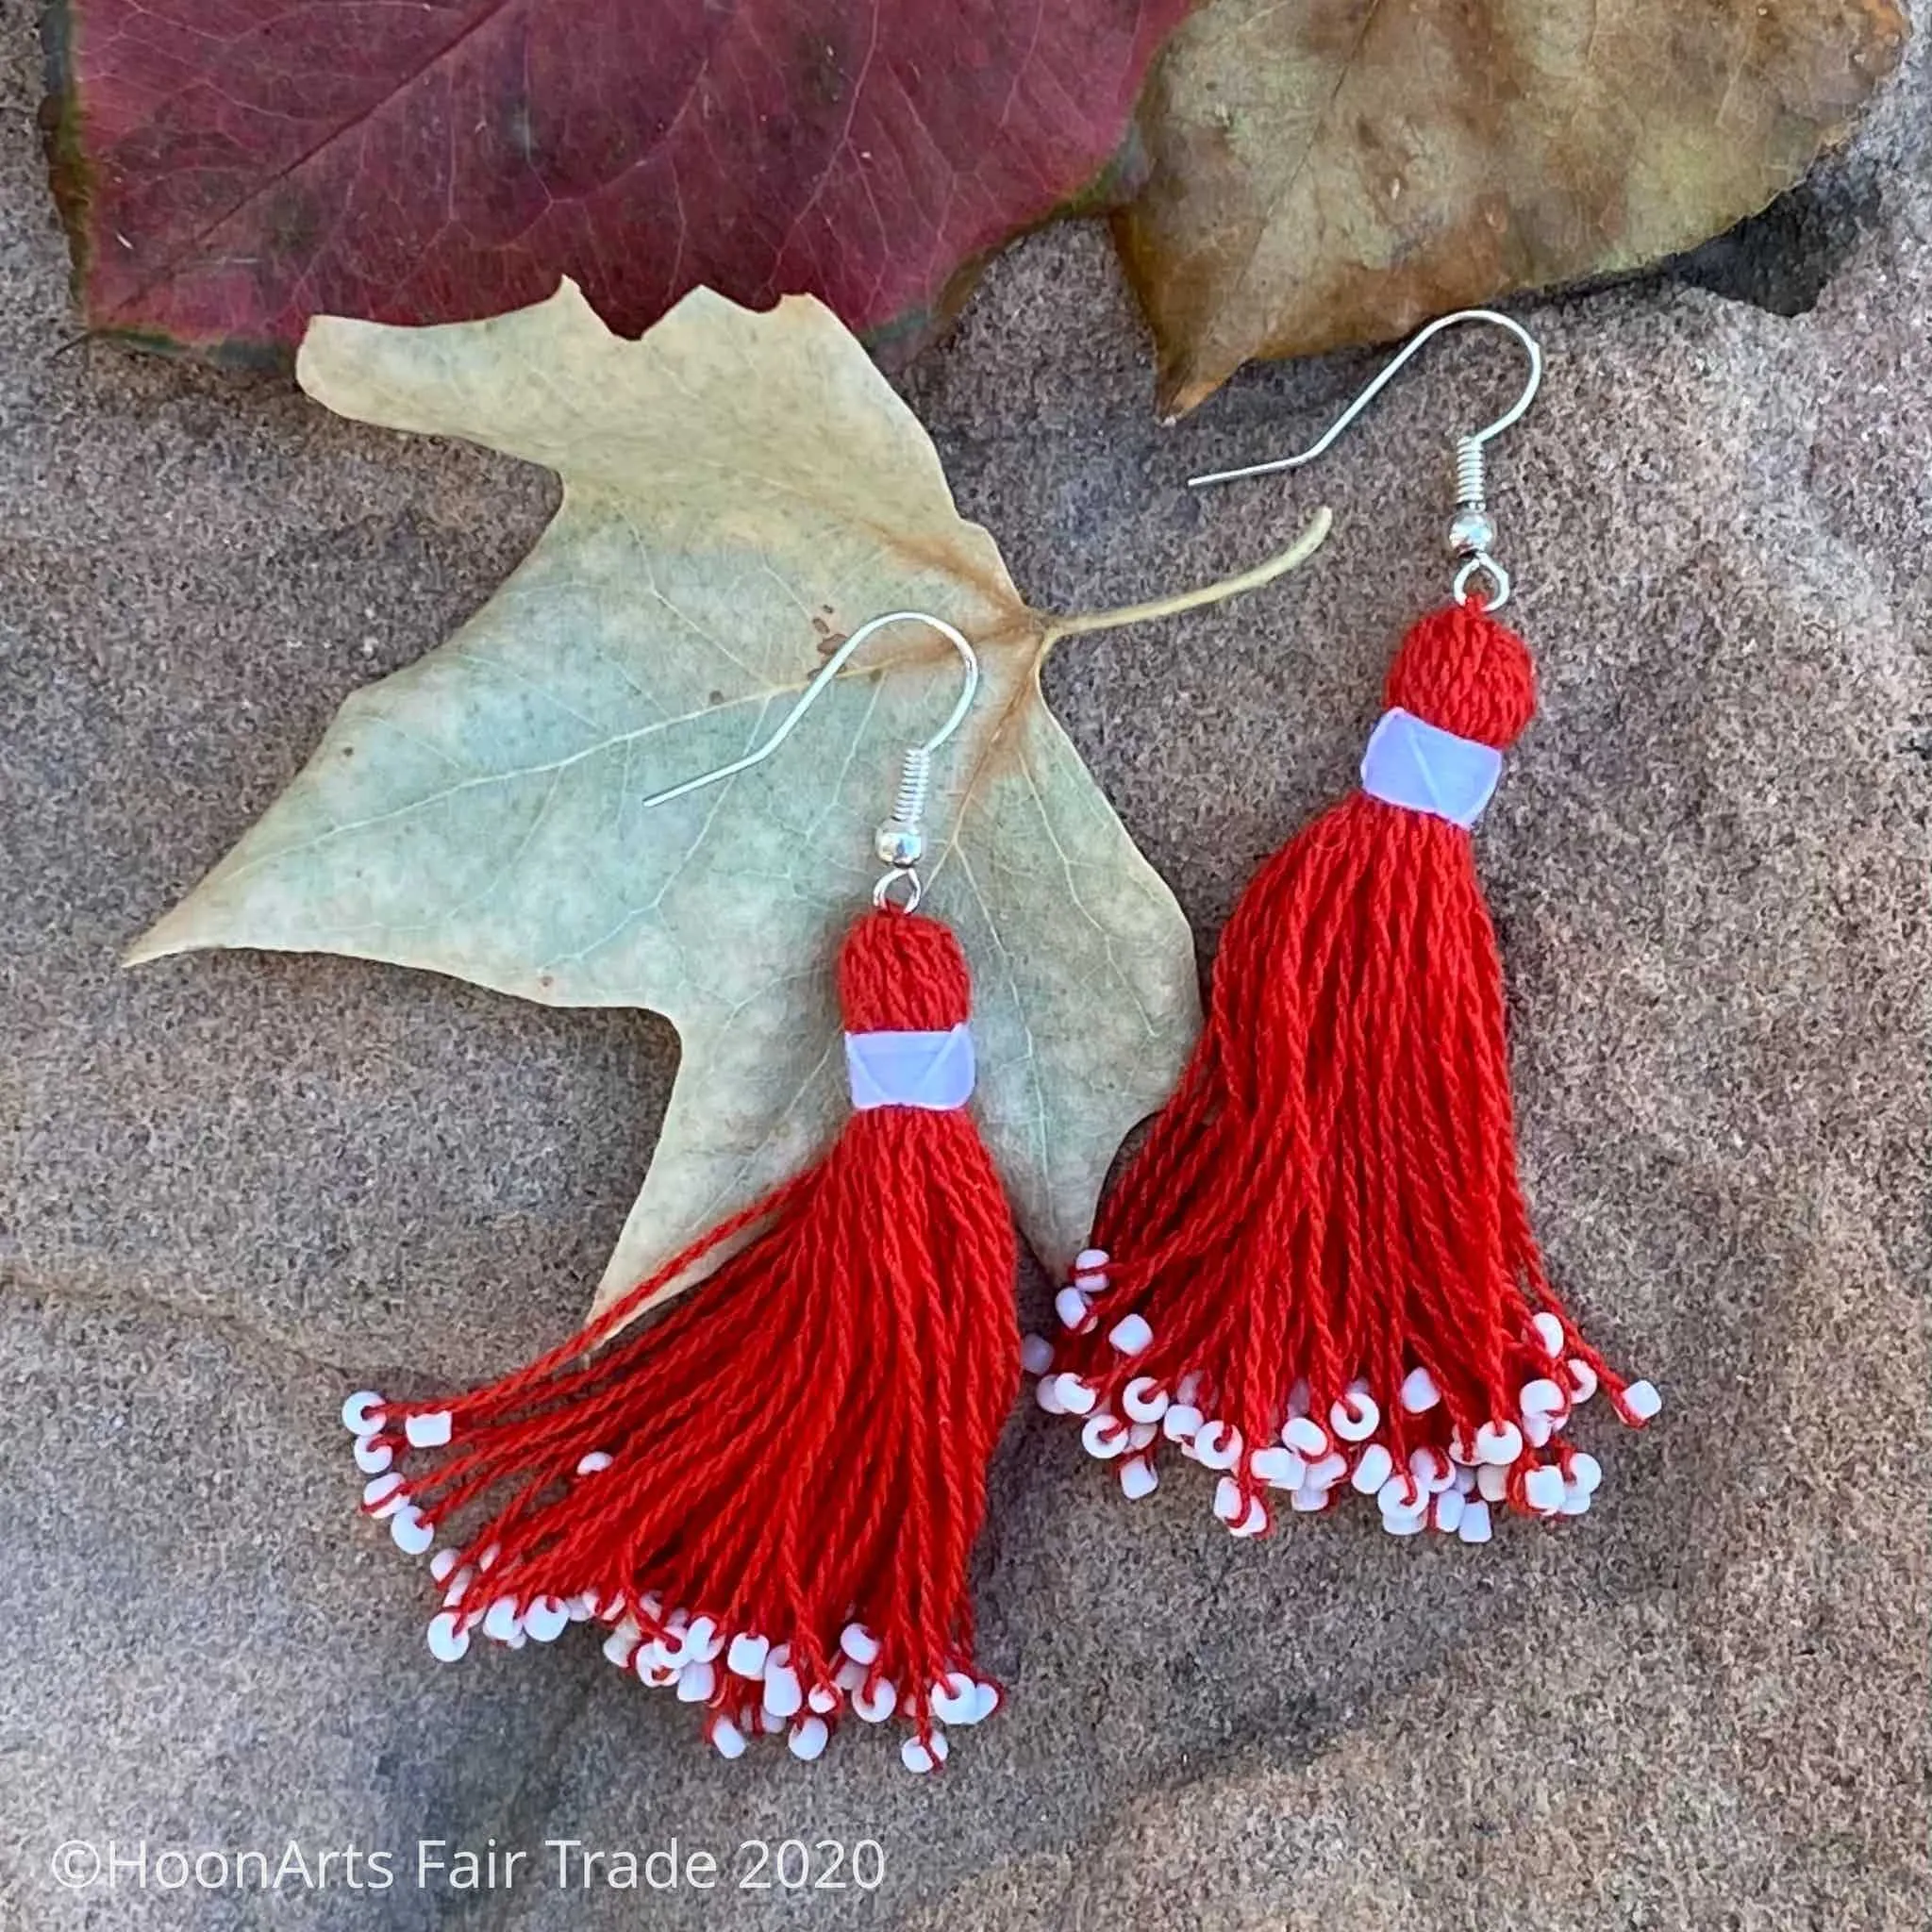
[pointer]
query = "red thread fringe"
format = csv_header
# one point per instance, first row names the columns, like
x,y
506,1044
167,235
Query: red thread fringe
x,y
797,1445
1330,1201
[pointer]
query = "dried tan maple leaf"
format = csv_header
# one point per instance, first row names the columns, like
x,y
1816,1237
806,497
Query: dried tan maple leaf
x,y
741,489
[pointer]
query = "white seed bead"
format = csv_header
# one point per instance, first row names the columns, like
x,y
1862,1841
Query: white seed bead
x,y
1538,1427
429,1431
1036,1354
1137,1479
596,1459
1188,1389
859,1643
362,1412
1048,1396
1498,1442
727,1738
1071,1306
1181,1422
548,1619
809,1738
1130,1335
1373,1468
1328,1471
409,1532
1355,1418
1445,1510
1474,1527
1493,1482
1407,1522
1586,1472
849,1677
746,1656
1307,1499
987,1700
696,1682
1575,1500
919,1754
823,1699
1279,1468
1076,1397
1305,1436
702,1639
1549,1331
1218,1446
1462,1450
1465,1480
1243,1519
1641,1401
372,1455
1542,1396
1090,1260
657,1675
784,1693
621,1644
954,1699
1104,1436
1419,1392
876,1702
442,1564
500,1622
448,1639
1402,1495
1431,1467
1143,1435
383,1495
1542,1490
1582,1379
1145,1399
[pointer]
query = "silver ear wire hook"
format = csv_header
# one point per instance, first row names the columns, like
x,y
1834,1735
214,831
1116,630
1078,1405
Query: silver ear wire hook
x,y
900,840
1471,530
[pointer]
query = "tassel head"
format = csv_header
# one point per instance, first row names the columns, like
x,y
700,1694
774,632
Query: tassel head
x,y
902,973
1462,672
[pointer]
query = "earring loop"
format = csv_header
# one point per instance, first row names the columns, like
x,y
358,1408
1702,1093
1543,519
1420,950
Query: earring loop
x,y
1488,567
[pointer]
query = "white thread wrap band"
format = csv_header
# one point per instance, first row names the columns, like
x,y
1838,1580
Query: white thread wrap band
x,y
929,1070
1411,762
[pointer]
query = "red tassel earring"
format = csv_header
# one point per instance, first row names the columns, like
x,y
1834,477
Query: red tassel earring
x,y
1318,1272
770,1492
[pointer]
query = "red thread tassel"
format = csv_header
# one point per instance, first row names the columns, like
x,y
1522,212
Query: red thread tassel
x,y
770,1490
1318,1270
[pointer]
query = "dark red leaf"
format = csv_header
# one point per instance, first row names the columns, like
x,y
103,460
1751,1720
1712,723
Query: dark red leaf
x,y
229,168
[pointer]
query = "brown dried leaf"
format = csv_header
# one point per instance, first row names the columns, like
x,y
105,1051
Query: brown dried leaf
x,y
1331,172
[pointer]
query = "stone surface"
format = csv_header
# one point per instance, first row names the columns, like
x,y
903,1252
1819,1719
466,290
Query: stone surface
x,y
238,1187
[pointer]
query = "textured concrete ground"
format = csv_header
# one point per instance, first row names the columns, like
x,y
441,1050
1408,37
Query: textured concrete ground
x,y
237,1187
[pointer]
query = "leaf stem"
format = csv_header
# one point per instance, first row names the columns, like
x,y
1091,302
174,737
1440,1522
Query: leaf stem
x,y
1311,539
